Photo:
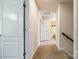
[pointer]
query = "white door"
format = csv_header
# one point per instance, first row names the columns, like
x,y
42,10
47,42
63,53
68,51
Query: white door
x,y
45,30
11,29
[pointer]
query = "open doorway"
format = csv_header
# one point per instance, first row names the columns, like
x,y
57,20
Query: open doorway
x,y
51,27
56,24
55,21
48,22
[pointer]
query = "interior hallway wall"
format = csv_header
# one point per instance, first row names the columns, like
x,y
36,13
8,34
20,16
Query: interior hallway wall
x,y
66,19
31,28
66,26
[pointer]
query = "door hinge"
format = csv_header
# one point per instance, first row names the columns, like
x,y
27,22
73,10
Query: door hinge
x,y
24,5
24,29
24,53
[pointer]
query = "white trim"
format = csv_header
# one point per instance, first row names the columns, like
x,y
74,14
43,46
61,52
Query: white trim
x,y
58,27
39,34
75,28
35,51
62,49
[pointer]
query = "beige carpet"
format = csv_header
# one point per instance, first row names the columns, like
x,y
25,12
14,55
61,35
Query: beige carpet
x,y
49,52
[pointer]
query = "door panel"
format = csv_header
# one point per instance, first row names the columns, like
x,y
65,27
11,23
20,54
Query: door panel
x,y
10,18
11,29
10,49
0,18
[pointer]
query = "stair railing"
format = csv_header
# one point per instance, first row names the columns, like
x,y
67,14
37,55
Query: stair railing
x,y
67,37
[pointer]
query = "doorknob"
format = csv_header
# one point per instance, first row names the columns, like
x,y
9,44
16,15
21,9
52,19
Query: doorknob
x,y
0,35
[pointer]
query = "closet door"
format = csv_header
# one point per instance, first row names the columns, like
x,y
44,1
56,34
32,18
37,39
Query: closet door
x,y
11,29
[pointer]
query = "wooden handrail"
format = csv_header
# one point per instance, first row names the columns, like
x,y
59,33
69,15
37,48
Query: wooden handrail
x,y
67,37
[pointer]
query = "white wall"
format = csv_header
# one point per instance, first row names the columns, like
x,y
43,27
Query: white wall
x,y
33,24
27,31
31,28
66,26
66,19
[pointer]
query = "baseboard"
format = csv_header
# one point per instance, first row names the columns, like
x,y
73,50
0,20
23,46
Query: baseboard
x,y
34,51
62,49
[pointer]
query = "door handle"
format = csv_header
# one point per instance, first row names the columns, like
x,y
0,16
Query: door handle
x,y
0,35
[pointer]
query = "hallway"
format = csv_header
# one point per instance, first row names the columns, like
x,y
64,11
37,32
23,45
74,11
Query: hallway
x,y
38,29
50,52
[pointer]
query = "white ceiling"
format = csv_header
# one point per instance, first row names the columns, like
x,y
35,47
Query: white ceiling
x,y
50,4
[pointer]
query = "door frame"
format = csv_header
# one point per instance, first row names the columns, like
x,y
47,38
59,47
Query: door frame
x,y
24,29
